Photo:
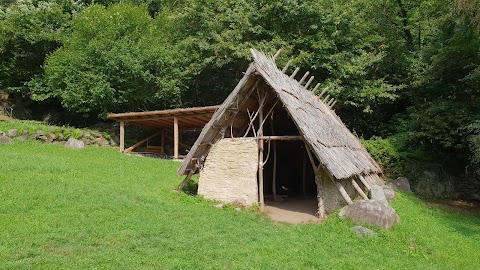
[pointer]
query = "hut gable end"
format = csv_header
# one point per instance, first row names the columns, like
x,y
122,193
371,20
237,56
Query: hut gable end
x,y
334,146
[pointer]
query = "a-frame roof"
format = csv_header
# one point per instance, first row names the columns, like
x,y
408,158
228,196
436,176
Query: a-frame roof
x,y
335,147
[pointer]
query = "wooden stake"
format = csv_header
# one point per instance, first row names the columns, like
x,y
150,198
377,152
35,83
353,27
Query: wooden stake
x,y
287,66
323,92
333,104
326,98
175,137
304,77
330,101
343,192
277,53
359,190
309,82
185,181
295,72
122,136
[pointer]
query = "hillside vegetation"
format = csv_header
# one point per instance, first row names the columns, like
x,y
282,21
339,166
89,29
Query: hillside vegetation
x,y
96,208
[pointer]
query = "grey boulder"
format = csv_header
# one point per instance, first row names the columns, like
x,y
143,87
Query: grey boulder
x,y
362,231
371,212
389,192
12,133
377,194
74,143
402,184
5,139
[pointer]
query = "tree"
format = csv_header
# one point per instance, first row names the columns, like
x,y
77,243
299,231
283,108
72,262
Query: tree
x,y
29,31
116,59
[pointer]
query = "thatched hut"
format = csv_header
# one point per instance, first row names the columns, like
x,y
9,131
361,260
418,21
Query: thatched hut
x,y
273,137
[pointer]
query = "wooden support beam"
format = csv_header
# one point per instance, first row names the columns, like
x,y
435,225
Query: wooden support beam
x,y
130,149
343,192
316,87
185,181
309,81
364,182
287,66
304,77
359,190
175,137
122,136
295,72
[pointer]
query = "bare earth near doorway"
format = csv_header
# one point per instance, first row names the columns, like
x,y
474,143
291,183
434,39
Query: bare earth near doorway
x,y
293,211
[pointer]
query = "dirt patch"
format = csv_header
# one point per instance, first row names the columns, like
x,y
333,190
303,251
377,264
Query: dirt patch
x,y
459,206
5,118
295,211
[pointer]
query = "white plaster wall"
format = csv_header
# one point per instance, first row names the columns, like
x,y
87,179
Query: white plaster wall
x,y
230,172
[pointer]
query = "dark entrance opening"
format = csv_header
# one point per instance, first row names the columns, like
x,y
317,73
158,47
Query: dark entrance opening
x,y
295,186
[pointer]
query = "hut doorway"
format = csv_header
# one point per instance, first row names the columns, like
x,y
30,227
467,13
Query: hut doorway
x,y
292,195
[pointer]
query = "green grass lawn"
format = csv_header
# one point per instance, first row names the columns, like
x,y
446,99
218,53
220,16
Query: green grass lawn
x,y
96,208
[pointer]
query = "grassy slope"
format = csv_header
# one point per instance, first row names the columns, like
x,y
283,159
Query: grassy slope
x,y
96,208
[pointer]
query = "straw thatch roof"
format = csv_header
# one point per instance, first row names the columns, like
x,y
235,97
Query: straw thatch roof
x,y
334,146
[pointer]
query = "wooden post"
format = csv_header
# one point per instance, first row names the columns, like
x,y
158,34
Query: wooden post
x,y
122,136
260,155
175,137
162,140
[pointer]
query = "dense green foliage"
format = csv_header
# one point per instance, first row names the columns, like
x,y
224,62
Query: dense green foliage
x,y
122,213
407,71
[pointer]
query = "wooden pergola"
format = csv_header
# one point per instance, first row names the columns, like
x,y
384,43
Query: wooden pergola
x,y
183,118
